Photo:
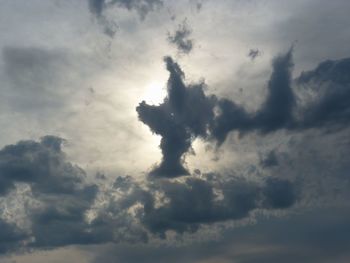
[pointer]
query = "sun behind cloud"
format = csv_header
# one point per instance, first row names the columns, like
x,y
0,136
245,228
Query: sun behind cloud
x,y
155,92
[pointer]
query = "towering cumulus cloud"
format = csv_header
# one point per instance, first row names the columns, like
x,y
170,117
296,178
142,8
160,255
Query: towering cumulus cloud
x,y
184,115
275,113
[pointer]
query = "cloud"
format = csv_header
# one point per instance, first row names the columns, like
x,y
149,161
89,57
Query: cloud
x,y
297,238
254,53
32,74
40,164
60,221
142,7
187,112
269,160
44,81
59,188
277,110
180,38
184,115
185,206
330,84
59,204
195,202
96,7
63,209
10,237
275,113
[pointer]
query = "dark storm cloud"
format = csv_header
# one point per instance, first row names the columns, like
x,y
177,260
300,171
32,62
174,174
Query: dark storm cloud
x,y
195,202
10,237
275,113
40,164
335,71
330,81
180,38
187,113
57,185
184,115
175,139
63,198
278,193
60,220
133,212
186,206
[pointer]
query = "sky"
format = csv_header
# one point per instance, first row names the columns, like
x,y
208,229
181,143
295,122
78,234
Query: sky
x,y
190,131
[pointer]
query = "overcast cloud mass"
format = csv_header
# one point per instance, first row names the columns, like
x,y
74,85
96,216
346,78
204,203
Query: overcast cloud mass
x,y
191,131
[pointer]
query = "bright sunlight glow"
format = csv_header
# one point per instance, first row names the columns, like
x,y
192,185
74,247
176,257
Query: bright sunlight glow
x,y
155,93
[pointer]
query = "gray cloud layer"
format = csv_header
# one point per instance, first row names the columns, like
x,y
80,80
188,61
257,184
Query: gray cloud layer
x,y
304,238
